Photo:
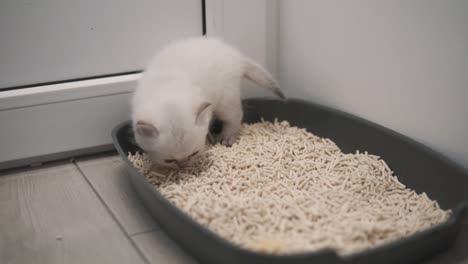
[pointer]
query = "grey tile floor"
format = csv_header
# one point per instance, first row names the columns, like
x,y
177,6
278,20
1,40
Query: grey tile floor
x,y
85,211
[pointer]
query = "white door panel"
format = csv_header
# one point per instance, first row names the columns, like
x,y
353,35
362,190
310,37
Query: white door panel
x,y
52,40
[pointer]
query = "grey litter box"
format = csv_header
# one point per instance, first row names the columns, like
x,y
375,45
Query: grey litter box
x,y
417,166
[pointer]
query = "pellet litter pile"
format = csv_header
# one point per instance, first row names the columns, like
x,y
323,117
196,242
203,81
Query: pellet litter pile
x,y
282,190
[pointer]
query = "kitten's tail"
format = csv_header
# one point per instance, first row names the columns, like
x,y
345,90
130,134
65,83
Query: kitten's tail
x,y
260,76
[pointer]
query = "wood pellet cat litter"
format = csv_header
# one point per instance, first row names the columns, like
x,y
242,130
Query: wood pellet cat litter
x,y
281,189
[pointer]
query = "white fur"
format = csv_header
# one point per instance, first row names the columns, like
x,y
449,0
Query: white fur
x,y
179,79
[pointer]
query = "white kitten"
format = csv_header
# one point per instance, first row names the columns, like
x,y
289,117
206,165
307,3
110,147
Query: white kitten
x,y
184,85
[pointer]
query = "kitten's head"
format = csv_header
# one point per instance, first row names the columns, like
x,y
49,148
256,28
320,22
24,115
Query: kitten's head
x,y
176,138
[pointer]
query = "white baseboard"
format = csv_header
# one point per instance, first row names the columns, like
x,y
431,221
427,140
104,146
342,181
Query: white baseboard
x,y
44,121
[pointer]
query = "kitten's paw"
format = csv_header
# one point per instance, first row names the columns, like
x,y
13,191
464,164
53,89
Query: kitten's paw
x,y
228,140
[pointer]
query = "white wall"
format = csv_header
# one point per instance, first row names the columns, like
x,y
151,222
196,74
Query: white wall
x,y
250,26
402,64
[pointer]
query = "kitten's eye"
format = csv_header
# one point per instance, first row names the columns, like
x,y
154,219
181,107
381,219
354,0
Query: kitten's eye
x,y
170,160
193,154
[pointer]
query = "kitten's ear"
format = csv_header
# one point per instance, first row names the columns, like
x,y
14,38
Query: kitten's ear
x,y
203,113
146,129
